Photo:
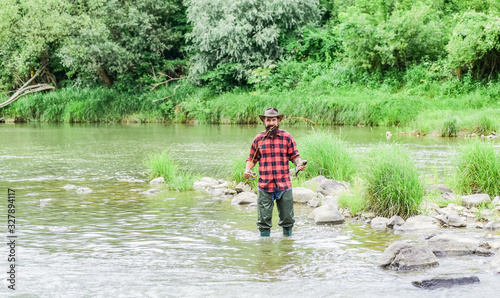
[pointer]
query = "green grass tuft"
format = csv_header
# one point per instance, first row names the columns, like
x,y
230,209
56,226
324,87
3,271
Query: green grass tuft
x,y
327,155
163,165
477,167
392,182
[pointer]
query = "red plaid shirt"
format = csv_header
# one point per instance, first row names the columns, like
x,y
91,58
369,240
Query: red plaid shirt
x,y
273,156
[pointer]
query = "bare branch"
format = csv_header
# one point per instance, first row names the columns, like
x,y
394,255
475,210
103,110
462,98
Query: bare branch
x,y
167,96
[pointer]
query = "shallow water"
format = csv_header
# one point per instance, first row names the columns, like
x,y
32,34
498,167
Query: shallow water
x,y
116,241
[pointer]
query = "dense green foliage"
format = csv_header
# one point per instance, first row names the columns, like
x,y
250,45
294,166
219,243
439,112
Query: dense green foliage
x,y
477,168
392,182
430,65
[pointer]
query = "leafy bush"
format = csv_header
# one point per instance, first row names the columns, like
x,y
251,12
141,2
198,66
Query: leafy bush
x,y
392,182
327,155
477,167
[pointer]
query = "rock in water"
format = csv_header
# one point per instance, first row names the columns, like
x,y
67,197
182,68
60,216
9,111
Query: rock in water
x,y
404,256
443,282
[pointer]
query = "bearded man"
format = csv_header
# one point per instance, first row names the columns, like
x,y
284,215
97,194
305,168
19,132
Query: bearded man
x,y
272,149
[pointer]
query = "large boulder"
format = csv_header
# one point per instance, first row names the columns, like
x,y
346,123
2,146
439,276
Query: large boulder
x,y
404,256
302,195
495,263
314,202
315,182
427,207
395,221
326,214
475,200
453,244
244,198
329,187
379,223
445,282
418,223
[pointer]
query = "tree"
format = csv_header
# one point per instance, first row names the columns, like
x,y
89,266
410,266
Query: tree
x,y
244,33
475,45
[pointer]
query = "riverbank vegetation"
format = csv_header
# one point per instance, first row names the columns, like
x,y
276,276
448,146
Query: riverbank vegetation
x,y
428,66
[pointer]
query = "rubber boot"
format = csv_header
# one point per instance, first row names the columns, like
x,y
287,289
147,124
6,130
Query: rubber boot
x,y
265,233
287,232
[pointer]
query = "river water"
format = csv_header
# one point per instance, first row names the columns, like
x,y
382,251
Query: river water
x,y
118,242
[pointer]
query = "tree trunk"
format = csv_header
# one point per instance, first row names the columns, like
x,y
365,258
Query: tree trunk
x,y
103,75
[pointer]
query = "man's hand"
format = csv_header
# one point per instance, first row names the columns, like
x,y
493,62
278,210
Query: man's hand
x,y
301,168
247,174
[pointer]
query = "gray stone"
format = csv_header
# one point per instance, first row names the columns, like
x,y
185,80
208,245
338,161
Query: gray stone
x,y
302,195
244,198
329,187
69,186
314,202
496,201
216,192
379,223
150,191
243,187
315,182
445,282
475,200
492,244
453,244
439,188
404,256
419,223
495,263
454,220
395,221
220,185
332,201
492,226
83,190
159,180
326,214
487,213
447,196
200,185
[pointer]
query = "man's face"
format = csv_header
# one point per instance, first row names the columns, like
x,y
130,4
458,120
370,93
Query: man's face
x,y
270,121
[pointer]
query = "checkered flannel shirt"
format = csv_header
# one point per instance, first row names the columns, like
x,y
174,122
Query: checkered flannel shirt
x,y
273,156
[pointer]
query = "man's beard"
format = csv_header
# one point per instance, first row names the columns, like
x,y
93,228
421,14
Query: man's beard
x,y
271,134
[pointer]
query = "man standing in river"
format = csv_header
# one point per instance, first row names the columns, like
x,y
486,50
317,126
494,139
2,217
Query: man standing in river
x,y
272,149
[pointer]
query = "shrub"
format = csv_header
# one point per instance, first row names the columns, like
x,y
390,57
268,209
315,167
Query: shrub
x,y
477,166
327,155
163,165
393,186
450,128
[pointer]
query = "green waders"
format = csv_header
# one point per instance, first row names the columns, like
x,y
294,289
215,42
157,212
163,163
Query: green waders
x,y
265,206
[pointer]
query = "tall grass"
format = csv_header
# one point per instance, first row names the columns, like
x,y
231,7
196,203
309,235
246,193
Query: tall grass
x,y
477,167
327,155
161,164
392,182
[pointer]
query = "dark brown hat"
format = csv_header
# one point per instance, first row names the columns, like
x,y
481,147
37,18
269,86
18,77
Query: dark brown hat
x,y
271,112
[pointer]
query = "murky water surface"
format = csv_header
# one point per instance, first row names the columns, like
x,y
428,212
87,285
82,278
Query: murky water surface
x,y
118,242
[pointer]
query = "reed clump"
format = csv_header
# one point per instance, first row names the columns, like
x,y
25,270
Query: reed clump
x,y
327,155
161,164
477,168
392,183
